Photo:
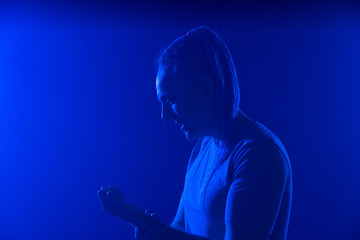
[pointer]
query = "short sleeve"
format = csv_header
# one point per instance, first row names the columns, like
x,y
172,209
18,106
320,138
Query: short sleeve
x,y
259,176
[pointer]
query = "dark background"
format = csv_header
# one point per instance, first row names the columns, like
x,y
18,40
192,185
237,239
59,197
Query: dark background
x,y
78,110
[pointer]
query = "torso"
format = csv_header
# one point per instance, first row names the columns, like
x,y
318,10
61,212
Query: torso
x,y
207,184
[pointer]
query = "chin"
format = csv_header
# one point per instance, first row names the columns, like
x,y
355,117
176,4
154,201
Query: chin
x,y
190,137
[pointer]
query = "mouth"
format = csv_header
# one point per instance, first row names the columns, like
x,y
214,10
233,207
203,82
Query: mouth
x,y
184,128
178,123
181,125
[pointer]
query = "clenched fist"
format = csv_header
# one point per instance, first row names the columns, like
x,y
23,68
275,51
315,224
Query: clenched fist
x,y
112,202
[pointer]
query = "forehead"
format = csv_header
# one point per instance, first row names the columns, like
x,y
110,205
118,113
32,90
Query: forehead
x,y
167,79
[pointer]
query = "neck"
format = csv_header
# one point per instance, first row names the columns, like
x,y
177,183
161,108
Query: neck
x,y
236,127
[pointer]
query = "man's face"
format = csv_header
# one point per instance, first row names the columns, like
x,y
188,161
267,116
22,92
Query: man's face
x,y
184,101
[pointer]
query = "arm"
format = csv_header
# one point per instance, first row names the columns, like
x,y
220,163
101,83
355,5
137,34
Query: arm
x,y
151,228
251,207
146,227
260,175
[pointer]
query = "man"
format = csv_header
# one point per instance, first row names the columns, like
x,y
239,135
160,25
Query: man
x,y
238,182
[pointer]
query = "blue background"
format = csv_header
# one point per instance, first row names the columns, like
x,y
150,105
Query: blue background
x,y
78,110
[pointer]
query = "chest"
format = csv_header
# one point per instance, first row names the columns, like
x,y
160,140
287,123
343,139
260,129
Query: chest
x,y
206,188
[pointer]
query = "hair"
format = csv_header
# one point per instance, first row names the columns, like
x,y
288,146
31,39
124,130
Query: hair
x,y
208,43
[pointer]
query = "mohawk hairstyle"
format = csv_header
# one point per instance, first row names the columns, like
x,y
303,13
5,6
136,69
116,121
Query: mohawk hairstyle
x,y
221,66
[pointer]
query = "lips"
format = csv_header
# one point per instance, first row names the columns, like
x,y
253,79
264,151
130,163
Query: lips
x,y
178,123
182,126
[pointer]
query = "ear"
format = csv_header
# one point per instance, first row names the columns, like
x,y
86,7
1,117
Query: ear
x,y
206,86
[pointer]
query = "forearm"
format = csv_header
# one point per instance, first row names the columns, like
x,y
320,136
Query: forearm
x,y
152,229
180,235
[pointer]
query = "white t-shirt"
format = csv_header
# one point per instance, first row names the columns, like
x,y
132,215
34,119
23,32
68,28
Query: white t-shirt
x,y
248,185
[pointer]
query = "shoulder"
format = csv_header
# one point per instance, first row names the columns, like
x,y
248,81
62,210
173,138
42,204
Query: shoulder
x,y
259,149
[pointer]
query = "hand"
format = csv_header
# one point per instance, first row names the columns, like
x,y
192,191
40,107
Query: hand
x,y
112,202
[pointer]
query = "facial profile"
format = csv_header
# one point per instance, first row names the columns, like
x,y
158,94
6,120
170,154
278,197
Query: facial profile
x,y
184,99
197,84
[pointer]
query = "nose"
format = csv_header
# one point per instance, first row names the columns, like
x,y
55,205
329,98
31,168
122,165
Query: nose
x,y
167,113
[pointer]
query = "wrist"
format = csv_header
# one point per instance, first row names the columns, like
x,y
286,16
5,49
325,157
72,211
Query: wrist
x,y
140,220
152,228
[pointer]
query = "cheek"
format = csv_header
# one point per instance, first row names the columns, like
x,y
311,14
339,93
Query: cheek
x,y
192,110
196,112
186,112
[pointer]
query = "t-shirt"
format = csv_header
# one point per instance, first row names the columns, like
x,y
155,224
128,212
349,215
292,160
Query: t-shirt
x,y
247,185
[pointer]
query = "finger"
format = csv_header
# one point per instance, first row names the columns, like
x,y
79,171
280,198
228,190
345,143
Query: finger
x,y
113,189
108,187
114,196
102,195
103,200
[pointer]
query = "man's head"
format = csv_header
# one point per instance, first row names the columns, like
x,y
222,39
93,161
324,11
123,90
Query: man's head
x,y
197,84
187,97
